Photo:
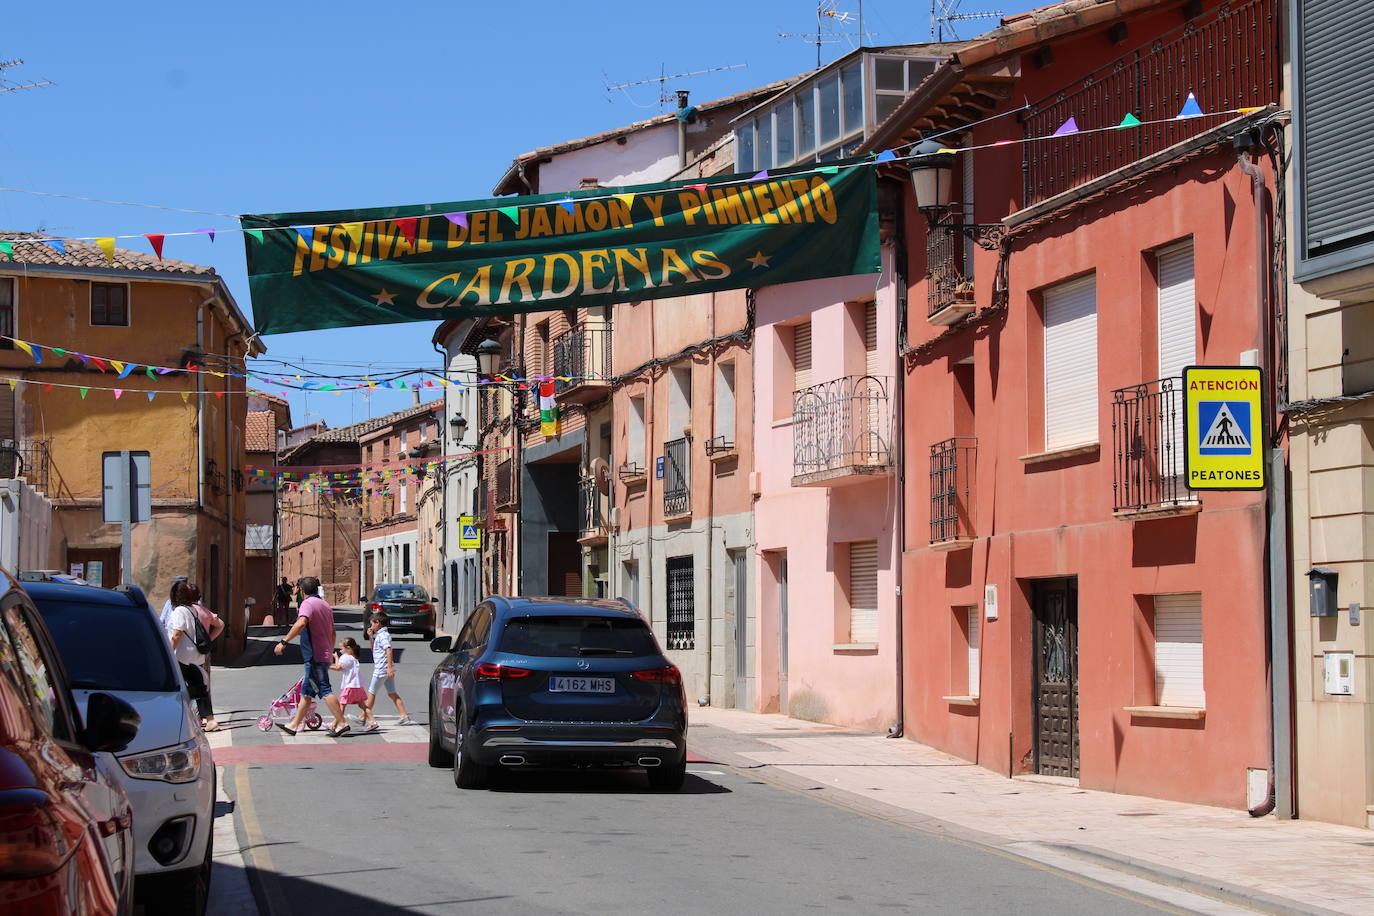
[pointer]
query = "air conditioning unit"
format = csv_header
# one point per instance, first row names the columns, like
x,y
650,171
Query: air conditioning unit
x,y
614,517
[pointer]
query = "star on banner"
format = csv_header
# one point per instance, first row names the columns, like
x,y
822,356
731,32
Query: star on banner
x,y
385,298
758,260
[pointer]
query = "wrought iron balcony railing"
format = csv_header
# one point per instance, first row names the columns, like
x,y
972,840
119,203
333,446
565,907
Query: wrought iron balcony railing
x,y
1228,58
593,506
677,477
948,292
1147,450
28,459
583,354
841,427
506,494
953,465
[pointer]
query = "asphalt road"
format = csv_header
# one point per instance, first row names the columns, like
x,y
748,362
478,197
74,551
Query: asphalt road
x,y
363,824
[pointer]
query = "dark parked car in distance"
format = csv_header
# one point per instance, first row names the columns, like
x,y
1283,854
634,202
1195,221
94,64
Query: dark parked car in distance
x,y
66,827
533,682
408,608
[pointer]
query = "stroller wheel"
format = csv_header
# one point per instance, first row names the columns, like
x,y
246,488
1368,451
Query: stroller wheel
x,y
265,723
313,721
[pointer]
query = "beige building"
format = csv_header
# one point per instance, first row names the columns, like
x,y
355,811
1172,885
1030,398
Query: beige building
x,y
1331,337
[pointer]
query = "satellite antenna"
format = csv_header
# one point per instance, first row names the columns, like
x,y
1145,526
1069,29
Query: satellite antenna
x,y
664,94
825,33
944,13
7,86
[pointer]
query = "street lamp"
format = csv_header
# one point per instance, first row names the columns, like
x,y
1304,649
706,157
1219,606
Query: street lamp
x,y
488,357
459,424
932,183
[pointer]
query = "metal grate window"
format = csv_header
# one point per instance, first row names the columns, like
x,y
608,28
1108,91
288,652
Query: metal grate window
x,y
677,483
682,611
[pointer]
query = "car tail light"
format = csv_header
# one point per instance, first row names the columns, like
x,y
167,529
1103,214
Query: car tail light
x,y
35,837
374,606
489,671
426,607
669,675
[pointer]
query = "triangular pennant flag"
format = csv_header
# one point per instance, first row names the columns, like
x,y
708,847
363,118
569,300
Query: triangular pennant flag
x,y
8,249
1129,121
163,371
155,239
829,170
23,345
1068,127
511,213
459,219
699,188
186,397
626,199
84,392
148,370
99,363
219,394
59,351
47,387
124,373
407,226
118,393
567,204
106,245
760,176
355,232
209,232
118,366
1190,109
150,395
886,155
305,232
56,244
255,233
14,383
1250,110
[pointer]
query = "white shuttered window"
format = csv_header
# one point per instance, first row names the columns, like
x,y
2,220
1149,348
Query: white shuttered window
x,y
1071,364
975,636
1178,650
871,338
801,356
1177,315
863,592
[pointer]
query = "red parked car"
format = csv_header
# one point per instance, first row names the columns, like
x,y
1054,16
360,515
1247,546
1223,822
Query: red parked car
x,y
66,828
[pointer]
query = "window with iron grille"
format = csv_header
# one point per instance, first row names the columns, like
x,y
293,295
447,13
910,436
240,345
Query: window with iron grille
x,y
682,612
7,285
110,304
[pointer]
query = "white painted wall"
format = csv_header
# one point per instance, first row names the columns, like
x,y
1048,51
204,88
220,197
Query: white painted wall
x,y
25,520
647,156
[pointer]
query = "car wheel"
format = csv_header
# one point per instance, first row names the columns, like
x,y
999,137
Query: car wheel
x,y
438,755
467,773
667,777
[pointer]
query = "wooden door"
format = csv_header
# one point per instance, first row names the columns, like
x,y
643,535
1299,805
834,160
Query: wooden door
x,y
1056,677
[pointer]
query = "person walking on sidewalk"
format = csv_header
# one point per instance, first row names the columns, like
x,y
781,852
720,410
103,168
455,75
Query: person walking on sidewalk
x,y
383,673
315,626
182,625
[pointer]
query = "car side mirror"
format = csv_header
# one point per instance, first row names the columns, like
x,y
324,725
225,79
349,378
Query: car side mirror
x,y
111,723
441,644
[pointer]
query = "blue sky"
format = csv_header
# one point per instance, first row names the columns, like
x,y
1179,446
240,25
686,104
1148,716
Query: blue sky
x,y
260,107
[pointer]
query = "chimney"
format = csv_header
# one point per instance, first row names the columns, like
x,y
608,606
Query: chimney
x,y
415,396
586,183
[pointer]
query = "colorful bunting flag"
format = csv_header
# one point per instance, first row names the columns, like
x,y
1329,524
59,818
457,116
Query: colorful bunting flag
x,y
511,213
118,366
185,397
150,395
548,410
1129,121
460,219
1190,109
355,233
1068,127
8,249
25,347
305,232
699,188
106,245
626,199
255,233
760,176
155,239
56,245
209,232
829,170
84,392
886,155
118,393
407,225
567,204
124,373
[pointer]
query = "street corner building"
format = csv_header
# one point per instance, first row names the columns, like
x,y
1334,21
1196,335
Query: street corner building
x,y
1072,608
126,351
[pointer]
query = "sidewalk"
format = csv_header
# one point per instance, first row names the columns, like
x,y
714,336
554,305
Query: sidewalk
x,y
1262,863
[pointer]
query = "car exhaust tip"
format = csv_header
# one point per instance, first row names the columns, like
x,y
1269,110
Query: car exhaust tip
x,y
512,760
649,761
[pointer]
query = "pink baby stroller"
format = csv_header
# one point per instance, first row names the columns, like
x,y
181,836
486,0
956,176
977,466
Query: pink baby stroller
x,y
284,706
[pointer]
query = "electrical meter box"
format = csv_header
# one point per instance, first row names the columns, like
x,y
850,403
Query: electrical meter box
x,y
1339,673
1321,587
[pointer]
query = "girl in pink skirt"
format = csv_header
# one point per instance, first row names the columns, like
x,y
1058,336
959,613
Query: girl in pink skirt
x,y
351,689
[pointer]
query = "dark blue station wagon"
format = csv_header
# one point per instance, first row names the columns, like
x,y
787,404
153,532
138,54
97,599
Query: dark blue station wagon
x,y
556,682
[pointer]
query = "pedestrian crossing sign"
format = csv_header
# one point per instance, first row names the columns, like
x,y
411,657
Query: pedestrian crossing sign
x,y
1223,427
469,535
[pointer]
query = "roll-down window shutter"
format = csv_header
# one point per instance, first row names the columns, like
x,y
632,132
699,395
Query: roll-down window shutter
x,y
1178,650
801,356
974,642
871,338
863,592
1071,364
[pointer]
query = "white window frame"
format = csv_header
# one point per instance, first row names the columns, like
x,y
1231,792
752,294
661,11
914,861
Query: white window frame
x,y
636,432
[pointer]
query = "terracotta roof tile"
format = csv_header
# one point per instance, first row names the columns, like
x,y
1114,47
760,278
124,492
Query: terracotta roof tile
x,y
260,432
28,249
353,432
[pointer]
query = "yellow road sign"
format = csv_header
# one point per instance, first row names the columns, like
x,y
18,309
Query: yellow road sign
x,y
1223,427
469,534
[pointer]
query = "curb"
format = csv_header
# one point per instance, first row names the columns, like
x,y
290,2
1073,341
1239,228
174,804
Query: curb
x,y
913,819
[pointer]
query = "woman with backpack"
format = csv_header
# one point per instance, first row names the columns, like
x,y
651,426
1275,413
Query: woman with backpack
x,y
191,644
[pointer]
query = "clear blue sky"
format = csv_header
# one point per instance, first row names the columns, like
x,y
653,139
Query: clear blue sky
x,y
269,107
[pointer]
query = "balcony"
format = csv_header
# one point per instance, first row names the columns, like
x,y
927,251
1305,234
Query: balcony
x,y
594,508
507,494
1228,57
1147,451
841,432
583,355
953,466
28,460
949,294
677,477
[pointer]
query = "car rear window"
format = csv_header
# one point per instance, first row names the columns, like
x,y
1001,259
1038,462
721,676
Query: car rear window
x,y
573,636
109,646
395,592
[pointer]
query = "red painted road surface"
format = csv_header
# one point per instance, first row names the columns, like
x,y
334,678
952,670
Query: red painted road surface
x,y
344,751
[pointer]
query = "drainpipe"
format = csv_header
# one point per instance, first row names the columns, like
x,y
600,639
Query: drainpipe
x,y
899,461
682,128
710,515
230,558
444,427
1279,670
200,403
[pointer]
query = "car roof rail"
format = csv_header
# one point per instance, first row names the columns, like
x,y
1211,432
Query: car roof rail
x,y
629,604
49,575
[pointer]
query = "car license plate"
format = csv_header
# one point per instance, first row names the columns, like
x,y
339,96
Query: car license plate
x,y
582,685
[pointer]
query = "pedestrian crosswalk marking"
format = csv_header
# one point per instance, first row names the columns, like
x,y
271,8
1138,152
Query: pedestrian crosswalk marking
x,y
1227,428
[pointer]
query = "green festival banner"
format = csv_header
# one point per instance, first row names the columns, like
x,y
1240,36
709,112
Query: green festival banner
x,y
600,246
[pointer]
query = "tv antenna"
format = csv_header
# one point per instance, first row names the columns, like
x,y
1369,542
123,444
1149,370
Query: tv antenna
x,y
9,86
944,13
664,94
825,32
